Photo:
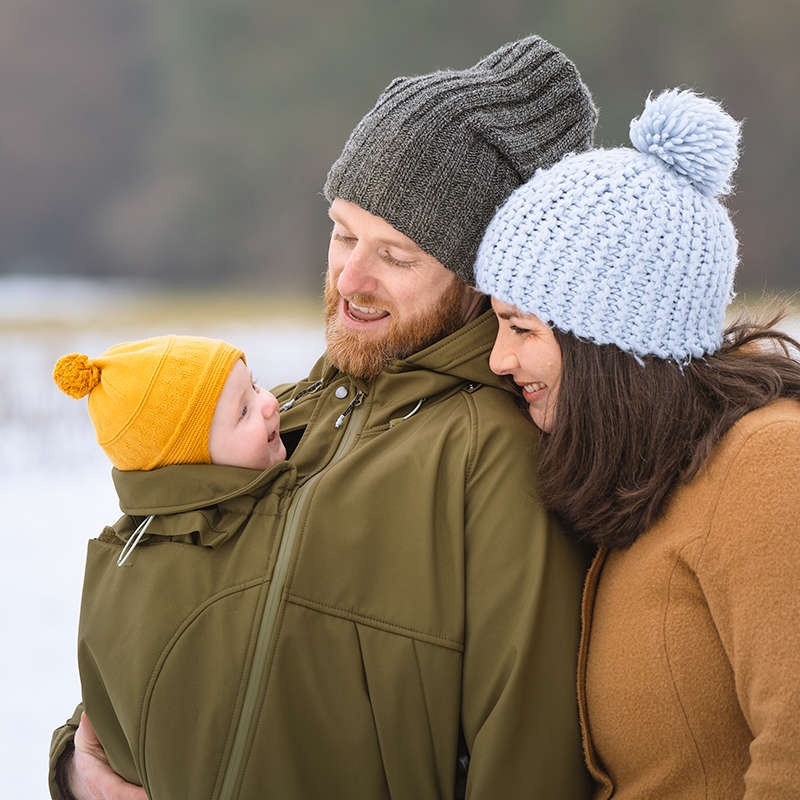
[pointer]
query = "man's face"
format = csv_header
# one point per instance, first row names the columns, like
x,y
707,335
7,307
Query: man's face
x,y
385,298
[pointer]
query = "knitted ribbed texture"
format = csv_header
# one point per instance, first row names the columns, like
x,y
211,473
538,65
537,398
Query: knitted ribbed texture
x,y
152,401
627,247
438,153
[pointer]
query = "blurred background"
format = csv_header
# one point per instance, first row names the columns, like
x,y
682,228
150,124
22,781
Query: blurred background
x,y
161,166
186,141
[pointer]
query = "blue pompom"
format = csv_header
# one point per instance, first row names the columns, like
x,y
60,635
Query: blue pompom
x,y
693,135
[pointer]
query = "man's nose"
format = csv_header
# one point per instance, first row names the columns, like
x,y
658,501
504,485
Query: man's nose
x,y
358,274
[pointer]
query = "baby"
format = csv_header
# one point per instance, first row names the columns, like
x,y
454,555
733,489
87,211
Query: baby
x,y
160,403
175,400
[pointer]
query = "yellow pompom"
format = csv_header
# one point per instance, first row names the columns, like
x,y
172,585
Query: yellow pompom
x,y
75,376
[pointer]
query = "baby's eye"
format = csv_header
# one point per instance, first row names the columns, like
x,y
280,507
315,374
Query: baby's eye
x,y
244,411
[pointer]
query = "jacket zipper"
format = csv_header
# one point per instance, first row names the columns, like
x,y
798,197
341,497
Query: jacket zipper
x,y
289,403
272,606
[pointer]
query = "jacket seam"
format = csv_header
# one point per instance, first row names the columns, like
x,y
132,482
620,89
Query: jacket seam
x,y
426,704
374,622
472,445
180,630
371,705
594,765
685,716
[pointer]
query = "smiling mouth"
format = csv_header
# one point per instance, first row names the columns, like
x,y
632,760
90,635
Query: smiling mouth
x,y
364,313
531,392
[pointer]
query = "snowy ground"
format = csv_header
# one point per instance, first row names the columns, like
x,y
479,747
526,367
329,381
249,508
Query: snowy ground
x,y
55,485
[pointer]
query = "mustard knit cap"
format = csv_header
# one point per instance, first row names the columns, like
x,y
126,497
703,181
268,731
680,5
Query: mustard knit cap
x,y
151,401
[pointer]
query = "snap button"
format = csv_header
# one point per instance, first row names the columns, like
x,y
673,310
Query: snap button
x,y
341,392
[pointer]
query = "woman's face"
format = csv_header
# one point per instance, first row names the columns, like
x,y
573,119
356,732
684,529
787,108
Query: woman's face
x,y
527,350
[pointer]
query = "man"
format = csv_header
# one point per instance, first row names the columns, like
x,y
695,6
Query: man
x,y
422,609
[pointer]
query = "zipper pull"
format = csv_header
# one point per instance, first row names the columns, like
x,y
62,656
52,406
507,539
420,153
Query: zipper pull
x,y
355,402
289,403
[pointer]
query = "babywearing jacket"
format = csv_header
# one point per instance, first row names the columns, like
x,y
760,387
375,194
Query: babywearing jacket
x,y
332,627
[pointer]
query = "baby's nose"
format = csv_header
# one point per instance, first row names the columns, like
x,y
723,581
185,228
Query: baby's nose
x,y
270,404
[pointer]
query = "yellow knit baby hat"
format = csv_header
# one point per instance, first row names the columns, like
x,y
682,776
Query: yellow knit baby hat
x,y
151,401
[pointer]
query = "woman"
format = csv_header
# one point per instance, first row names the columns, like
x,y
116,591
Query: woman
x,y
672,445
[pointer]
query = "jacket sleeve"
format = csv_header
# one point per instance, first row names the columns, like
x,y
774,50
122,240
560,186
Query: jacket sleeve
x,y
523,587
749,570
61,745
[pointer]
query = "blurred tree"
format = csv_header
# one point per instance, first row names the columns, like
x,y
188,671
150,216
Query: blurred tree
x,y
189,139
74,82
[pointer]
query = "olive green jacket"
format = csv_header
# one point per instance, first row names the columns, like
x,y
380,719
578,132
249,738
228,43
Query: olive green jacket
x,y
328,628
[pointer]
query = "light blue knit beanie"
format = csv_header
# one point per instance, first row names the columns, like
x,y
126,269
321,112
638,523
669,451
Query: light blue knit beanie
x,y
624,246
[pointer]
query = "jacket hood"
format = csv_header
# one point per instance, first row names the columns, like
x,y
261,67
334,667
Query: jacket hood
x,y
185,487
457,361
464,354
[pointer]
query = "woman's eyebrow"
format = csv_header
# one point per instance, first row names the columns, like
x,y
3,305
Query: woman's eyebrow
x,y
508,315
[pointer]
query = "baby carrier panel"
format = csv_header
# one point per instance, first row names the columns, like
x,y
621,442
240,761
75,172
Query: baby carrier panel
x,y
167,629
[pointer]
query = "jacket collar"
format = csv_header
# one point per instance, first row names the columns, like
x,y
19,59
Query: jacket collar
x,y
186,487
459,360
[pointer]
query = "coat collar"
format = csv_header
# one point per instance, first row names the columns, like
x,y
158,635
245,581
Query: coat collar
x,y
460,360
185,487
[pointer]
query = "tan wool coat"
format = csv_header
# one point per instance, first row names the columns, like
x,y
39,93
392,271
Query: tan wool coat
x,y
689,673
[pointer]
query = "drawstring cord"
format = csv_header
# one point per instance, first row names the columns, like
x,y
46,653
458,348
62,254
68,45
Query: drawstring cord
x,y
135,538
289,403
415,409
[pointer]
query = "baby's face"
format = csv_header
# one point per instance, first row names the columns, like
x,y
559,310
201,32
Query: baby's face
x,y
245,430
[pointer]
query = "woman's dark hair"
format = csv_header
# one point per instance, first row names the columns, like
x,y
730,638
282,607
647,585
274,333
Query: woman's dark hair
x,y
625,434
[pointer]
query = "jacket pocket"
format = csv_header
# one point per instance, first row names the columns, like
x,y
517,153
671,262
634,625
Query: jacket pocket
x,y
314,734
414,689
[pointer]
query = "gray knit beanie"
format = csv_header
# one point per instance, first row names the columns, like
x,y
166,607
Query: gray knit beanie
x,y
439,153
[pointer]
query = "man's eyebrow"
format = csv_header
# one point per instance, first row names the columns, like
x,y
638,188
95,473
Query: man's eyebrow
x,y
337,219
405,244
409,244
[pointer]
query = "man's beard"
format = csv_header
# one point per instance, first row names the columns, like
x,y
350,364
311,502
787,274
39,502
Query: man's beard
x,y
365,356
